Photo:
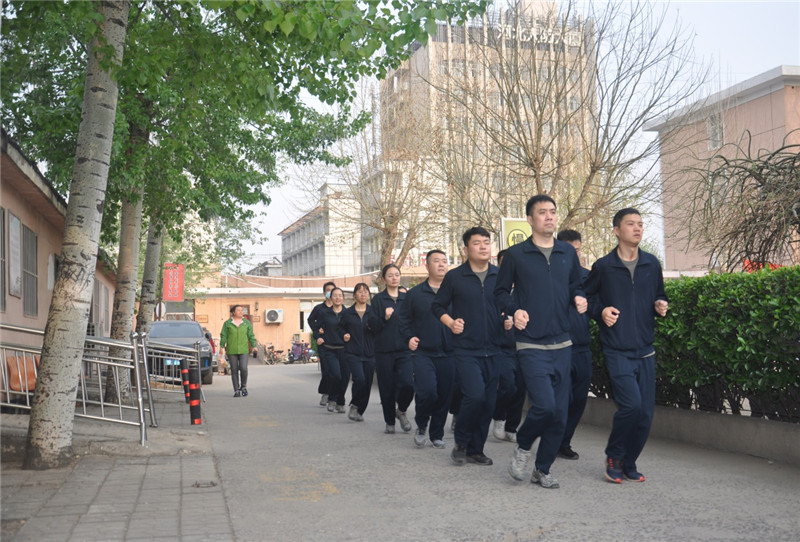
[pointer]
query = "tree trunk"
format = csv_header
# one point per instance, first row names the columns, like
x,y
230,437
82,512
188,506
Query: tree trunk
x,y
152,265
125,291
49,439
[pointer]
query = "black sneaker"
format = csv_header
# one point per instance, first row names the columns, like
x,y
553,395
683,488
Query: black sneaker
x,y
568,453
614,470
237,394
633,474
244,391
479,459
459,455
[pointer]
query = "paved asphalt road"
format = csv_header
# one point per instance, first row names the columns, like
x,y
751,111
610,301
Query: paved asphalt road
x,y
292,471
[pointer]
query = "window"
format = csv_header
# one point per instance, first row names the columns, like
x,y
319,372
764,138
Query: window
x,y
2,259
716,132
30,277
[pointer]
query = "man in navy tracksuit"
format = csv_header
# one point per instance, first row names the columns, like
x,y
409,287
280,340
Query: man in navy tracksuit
x,y
431,348
626,292
580,360
465,304
546,278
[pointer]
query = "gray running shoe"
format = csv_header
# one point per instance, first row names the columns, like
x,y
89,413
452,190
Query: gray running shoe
x,y
331,406
353,414
519,464
499,429
389,429
323,400
511,437
420,440
405,425
340,409
438,443
544,480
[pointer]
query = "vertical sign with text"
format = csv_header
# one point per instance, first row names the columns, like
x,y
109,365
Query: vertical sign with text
x,y
173,282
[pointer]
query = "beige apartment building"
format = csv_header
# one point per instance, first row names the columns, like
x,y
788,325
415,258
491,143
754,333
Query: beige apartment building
x,y
767,106
32,219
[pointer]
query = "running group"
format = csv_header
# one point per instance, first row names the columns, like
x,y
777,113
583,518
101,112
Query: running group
x,y
474,340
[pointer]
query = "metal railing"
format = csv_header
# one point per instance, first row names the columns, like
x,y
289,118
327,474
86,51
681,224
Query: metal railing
x,y
114,383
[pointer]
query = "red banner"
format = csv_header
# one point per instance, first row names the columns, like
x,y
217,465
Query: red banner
x,y
173,282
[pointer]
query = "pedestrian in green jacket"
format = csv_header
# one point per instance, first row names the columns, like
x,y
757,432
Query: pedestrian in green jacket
x,y
238,341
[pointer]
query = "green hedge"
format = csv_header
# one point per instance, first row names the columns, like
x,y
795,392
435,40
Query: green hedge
x,y
730,342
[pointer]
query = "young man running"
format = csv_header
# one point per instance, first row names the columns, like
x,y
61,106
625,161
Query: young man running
x,y
626,292
546,278
465,304
430,343
314,325
580,359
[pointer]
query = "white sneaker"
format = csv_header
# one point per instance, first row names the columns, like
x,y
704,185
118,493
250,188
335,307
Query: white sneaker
x,y
331,406
340,409
420,440
519,464
323,400
353,414
544,480
405,425
511,437
439,443
499,430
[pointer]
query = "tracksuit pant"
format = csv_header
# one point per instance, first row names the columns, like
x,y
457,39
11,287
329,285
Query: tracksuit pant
x,y
322,389
395,382
510,392
477,377
581,377
546,374
339,375
433,388
361,370
633,380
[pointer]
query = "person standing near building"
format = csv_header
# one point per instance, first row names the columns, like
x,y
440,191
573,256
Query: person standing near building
x,y
465,304
313,323
511,385
358,325
430,343
392,360
580,358
238,342
626,292
329,335
546,278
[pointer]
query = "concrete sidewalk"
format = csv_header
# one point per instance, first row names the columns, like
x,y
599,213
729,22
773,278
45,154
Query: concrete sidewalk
x,y
115,489
276,466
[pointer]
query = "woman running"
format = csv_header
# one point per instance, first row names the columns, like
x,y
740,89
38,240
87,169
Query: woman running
x,y
393,361
329,335
359,325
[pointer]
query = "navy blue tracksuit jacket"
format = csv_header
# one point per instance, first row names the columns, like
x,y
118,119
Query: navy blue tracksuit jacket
x,y
526,270
361,330
473,302
388,338
610,285
417,320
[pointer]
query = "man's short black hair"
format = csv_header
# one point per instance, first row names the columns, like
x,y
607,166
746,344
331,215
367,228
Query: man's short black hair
x,y
539,198
622,213
434,251
569,236
329,283
477,230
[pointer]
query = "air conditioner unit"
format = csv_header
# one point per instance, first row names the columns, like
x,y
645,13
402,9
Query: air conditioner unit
x,y
273,316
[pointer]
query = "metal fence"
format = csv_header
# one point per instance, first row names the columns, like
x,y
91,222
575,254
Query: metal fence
x,y
112,385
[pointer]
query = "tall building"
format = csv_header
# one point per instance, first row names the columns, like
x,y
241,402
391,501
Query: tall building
x,y
326,241
495,110
767,106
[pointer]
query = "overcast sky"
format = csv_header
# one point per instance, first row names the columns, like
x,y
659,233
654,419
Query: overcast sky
x,y
741,38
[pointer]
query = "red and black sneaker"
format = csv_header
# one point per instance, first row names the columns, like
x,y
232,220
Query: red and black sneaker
x,y
614,470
